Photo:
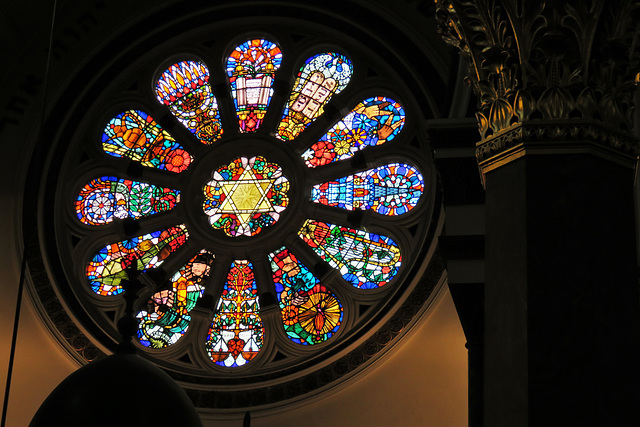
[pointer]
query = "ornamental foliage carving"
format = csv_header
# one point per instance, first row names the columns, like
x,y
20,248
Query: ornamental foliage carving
x,y
547,60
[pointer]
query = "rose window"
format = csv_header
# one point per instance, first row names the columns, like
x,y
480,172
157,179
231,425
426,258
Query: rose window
x,y
272,207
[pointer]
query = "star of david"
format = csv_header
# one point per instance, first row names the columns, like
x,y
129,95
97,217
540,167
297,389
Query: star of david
x,y
246,196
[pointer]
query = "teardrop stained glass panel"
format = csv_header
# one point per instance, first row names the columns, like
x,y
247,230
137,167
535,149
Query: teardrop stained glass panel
x,y
391,190
108,267
166,316
366,260
311,314
135,135
107,198
321,77
251,69
236,334
184,88
372,122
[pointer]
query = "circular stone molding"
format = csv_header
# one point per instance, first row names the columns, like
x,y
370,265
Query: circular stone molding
x,y
249,205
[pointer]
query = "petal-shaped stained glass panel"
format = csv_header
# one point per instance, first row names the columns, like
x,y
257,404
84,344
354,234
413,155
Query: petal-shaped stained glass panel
x,y
135,135
391,190
236,334
366,260
321,77
245,196
166,316
184,88
108,267
251,68
106,198
372,122
311,313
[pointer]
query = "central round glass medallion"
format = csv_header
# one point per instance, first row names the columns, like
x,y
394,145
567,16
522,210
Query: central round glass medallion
x,y
245,196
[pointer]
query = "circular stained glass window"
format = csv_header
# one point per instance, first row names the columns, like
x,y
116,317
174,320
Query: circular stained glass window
x,y
276,206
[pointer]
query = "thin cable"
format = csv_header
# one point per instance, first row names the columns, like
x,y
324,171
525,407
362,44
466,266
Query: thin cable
x,y
14,339
46,69
23,263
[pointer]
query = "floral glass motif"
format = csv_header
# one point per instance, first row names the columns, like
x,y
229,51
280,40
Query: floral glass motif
x,y
372,122
366,260
393,189
106,198
166,316
184,88
321,77
108,267
135,135
236,334
311,314
245,196
251,68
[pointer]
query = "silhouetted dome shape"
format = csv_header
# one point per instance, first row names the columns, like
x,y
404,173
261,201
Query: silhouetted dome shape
x,y
119,390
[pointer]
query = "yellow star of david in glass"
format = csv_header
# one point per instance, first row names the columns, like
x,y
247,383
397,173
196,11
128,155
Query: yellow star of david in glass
x,y
245,196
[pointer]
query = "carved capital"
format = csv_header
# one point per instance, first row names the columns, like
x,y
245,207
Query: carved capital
x,y
538,137
545,61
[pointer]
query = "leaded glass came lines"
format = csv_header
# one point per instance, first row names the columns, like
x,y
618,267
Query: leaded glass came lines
x,y
251,69
108,267
184,88
391,190
372,122
311,313
236,334
135,135
321,77
245,196
166,316
106,198
229,178
366,260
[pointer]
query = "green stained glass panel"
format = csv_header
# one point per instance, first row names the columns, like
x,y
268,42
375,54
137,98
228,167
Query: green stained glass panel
x,y
366,260
372,122
167,316
321,77
251,69
236,334
135,135
311,313
391,190
107,198
108,267
184,88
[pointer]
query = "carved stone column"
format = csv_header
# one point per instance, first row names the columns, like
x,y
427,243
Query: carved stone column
x,y
555,83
